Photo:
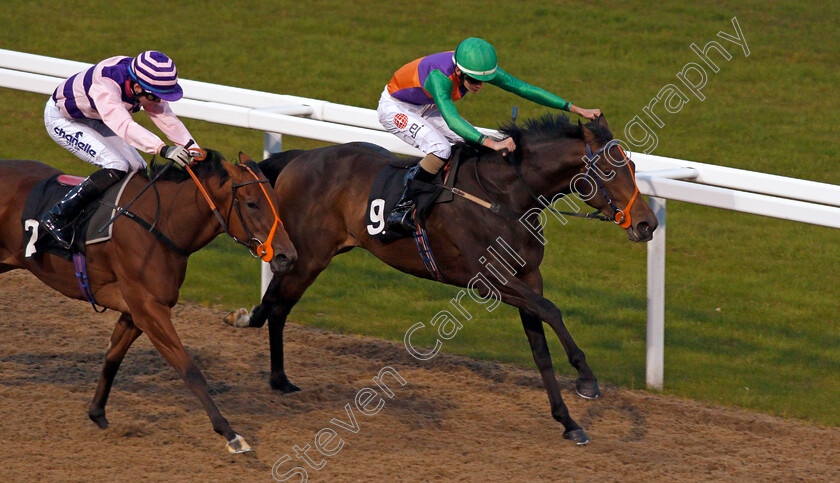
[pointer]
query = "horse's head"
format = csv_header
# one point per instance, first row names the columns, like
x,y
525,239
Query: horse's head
x,y
251,216
608,182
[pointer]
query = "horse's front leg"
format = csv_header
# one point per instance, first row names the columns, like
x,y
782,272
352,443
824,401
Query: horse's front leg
x,y
586,385
125,333
283,292
258,315
274,308
153,318
286,294
279,381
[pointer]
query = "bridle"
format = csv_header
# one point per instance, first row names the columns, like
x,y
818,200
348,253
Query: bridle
x,y
620,217
258,248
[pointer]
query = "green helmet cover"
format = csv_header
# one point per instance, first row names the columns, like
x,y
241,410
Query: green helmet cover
x,y
476,58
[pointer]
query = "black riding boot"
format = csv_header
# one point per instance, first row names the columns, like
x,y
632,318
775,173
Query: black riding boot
x,y
58,222
401,219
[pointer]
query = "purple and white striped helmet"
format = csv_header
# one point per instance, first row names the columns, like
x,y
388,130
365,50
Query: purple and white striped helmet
x,y
156,73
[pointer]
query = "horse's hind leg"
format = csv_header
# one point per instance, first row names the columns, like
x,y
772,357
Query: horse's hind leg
x,y
533,309
125,333
542,357
586,384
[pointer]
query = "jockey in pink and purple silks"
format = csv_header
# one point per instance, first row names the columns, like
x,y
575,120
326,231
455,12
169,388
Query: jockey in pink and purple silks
x,y
418,106
89,115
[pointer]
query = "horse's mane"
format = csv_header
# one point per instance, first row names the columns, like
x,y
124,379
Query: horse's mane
x,y
275,162
210,166
554,126
549,126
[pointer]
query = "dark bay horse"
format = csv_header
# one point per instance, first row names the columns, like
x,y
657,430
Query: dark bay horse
x,y
139,276
324,196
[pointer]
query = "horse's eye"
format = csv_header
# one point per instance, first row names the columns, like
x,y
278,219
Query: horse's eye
x,y
251,205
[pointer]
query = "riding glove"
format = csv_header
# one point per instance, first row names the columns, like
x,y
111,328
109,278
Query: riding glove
x,y
176,153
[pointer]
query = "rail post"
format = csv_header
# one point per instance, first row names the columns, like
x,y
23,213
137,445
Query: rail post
x,y
655,364
273,144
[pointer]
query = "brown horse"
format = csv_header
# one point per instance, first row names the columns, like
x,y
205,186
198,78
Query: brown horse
x,y
136,273
324,195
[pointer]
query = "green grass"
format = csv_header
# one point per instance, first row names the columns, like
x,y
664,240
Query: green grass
x,y
751,311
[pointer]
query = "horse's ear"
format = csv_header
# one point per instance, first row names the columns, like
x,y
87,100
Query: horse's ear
x,y
586,134
601,120
243,158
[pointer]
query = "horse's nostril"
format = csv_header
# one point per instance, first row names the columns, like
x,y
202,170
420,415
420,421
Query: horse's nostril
x,y
286,260
643,228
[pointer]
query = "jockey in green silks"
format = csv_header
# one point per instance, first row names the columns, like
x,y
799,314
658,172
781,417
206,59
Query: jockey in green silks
x,y
418,106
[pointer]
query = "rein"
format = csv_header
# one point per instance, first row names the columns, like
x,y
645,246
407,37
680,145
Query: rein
x,y
123,210
150,227
259,249
595,215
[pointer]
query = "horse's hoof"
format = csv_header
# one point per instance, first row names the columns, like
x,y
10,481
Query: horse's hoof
x,y
99,419
587,389
238,318
578,436
238,445
284,386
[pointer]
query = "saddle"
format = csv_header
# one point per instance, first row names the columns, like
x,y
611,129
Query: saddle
x,y
50,191
389,184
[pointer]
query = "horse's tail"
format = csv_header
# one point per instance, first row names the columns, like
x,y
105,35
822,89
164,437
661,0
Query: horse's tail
x,y
274,163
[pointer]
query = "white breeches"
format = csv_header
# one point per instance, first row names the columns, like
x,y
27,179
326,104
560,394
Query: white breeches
x,y
91,140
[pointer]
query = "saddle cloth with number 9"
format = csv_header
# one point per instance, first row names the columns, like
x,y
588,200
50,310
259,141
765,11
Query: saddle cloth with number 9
x,y
386,191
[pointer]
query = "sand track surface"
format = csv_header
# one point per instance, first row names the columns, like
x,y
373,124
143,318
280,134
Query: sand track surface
x,y
454,419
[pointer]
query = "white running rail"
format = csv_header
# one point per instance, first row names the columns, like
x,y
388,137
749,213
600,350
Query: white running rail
x,y
658,177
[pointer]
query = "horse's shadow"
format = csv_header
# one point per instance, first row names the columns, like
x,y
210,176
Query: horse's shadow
x,y
77,369
145,372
